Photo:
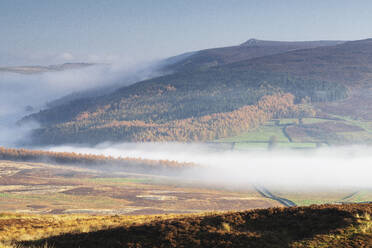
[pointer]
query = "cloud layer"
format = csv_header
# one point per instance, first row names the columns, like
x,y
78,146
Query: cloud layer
x,y
326,167
21,94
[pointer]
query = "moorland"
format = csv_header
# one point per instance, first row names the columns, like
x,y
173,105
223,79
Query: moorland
x,y
257,95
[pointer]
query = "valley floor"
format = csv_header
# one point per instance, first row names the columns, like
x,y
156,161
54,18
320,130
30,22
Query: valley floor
x,y
50,205
27,187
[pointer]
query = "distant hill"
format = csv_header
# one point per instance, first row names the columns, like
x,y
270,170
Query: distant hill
x,y
314,226
41,69
252,48
302,44
349,63
203,99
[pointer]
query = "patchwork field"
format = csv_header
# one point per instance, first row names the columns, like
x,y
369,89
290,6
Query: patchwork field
x,y
260,137
304,133
340,122
27,187
357,106
45,188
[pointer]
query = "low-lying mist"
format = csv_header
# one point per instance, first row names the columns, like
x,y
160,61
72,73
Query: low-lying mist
x,y
23,94
328,167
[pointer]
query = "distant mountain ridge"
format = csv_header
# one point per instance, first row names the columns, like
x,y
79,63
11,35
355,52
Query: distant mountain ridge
x,y
250,49
41,69
349,63
308,44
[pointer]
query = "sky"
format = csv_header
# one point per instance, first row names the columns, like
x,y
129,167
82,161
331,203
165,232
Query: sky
x,y
45,31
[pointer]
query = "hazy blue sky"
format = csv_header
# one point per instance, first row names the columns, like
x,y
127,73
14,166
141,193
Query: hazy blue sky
x,y
133,30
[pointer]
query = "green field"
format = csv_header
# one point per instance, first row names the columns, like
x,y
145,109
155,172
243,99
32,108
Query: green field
x,y
259,137
287,121
361,196
360,137
293,145
261,134
306,198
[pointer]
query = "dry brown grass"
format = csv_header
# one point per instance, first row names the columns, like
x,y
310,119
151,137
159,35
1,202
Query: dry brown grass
x,y
21,227
314,226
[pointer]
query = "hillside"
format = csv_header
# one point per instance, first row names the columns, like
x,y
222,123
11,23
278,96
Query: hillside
x,y
349,63
314,226
253,48
315,75
94,127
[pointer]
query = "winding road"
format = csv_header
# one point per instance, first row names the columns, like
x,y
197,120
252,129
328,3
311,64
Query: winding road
x,y
266,193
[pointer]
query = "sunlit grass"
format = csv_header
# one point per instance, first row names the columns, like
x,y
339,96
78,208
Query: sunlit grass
x,y
21,227
324,227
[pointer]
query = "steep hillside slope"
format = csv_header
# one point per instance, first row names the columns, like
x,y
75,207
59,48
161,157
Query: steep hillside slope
x,y
321,74
95,127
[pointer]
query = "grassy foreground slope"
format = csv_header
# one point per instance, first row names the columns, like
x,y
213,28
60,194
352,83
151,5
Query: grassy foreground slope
x,y
314,226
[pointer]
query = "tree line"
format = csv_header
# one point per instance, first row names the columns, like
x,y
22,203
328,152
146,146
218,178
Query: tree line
x,y
204,128
91,160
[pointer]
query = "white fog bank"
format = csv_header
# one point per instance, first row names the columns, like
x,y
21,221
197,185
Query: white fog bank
x,y
323,167
23,94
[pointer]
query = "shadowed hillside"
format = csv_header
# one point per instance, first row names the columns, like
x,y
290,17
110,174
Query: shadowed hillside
x,y
349,63
314,226
252,48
